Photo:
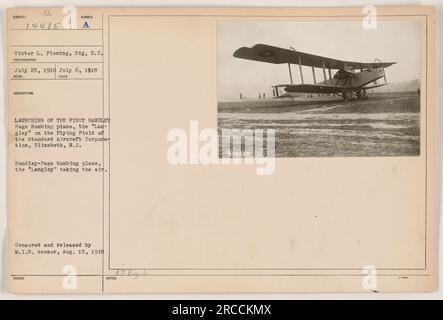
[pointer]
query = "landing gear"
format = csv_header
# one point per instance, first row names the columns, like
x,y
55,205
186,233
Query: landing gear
x,y
362,95
347,95
350,95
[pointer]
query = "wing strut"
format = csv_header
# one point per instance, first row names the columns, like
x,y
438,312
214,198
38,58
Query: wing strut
x,y
313,75
290,73
301,72
324,70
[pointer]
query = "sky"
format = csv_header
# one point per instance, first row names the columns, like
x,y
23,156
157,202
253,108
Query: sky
x,y
391,41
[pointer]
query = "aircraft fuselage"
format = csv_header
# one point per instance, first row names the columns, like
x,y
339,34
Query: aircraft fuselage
x,y
356,80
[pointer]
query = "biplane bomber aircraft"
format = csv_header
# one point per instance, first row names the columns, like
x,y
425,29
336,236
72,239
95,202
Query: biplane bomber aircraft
x,y
351,80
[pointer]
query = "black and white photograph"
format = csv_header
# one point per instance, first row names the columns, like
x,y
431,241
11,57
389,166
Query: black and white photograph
x,y
327,88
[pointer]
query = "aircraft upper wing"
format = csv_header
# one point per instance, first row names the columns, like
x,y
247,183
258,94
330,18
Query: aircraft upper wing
x,y
270,54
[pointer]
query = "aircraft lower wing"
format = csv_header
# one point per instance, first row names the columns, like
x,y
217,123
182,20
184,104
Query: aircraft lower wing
x,y
375,86
313,88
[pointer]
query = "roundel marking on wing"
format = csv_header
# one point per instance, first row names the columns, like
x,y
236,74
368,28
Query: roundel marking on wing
x,y
266,53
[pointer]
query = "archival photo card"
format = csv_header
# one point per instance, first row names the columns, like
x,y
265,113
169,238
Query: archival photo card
x,y
221,150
